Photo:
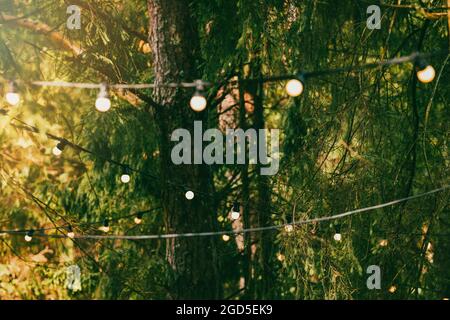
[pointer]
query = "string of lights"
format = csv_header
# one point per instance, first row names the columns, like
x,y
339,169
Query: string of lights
x,y
288,227
294,87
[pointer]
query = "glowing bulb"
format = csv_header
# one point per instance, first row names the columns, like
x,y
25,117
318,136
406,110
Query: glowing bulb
x,y
198,102
29,236
70,233
189,195
337,237
125,178
56,151
235,215
294,87
103,103
105,227
13,98
138,218
392,289
383,243
427,74
59,148
226,237
289,228
235,211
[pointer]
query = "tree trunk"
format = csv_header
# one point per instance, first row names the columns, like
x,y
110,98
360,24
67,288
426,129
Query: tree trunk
x,y
175,47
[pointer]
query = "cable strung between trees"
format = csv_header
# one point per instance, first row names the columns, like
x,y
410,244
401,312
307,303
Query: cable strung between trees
x,y
31,233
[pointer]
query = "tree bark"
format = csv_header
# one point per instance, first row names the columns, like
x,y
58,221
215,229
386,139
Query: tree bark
x,y
175,48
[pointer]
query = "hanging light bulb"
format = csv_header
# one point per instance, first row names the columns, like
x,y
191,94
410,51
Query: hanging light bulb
x,y
337,235
103,103
295,87
138,218
125,177
425,72
189,195
59,148
198,101
12,97
105,227
29,236
70,233
226,237
236,211
289,228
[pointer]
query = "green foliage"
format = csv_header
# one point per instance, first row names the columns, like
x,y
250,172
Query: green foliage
x,y
351,140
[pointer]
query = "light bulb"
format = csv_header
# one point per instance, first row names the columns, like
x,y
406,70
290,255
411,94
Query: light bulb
x,y
29,236
138,218
189,195
226,237
289,228
13,98
70,233
427,74
198,102
337,237
236,211
125,178
105,229
392,289
235,215
294,87
105,226
59,148
56,151
103,103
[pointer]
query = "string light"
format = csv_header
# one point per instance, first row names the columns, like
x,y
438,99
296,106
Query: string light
x,y
59,148
425,72
198,101
289,228
70,233
138,218
392,289
105,227
29,235
338,236
226,238
103,103
189,195
12,97
295,87
236,211
125,177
